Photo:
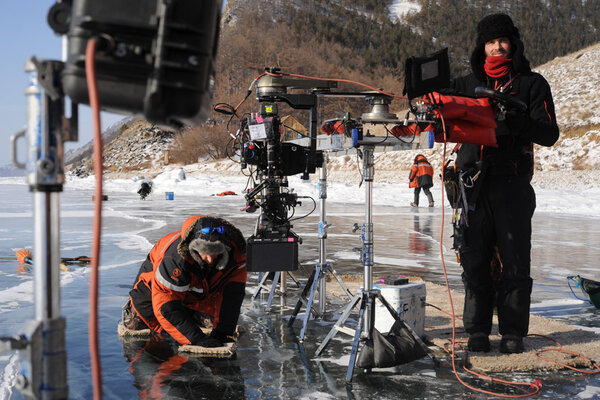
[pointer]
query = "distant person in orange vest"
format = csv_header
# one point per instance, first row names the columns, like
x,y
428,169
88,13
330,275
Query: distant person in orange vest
x,y
421,177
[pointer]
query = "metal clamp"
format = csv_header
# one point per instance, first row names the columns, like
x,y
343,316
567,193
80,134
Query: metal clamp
x,y
13,148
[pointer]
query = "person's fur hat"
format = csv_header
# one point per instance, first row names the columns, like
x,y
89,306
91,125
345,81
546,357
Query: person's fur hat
x,y
495,26
200,234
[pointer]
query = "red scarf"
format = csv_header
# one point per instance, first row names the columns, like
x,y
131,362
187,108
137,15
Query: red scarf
x,y
497,66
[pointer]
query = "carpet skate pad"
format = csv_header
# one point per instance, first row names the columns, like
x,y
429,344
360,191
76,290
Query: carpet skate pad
x,y
226,351
138,334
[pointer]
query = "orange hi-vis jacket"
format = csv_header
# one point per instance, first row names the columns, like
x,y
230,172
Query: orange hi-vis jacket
x,y
421,173
170,288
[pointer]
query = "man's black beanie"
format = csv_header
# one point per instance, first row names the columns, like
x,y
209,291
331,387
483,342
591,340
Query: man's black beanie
x,y
495,26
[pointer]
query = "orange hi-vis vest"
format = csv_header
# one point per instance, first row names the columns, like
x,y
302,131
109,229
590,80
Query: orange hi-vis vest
x,y
419,169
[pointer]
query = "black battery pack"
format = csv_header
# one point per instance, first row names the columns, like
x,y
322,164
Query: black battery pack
x,y
271,254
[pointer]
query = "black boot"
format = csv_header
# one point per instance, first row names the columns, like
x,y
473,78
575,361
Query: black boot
x,y
511,344
478,342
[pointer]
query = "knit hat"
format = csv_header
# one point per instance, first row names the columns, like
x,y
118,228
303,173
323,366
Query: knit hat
x,y
495,26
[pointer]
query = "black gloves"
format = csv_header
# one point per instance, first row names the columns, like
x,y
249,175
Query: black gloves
x,y
220,336
215,339
208,341
517,122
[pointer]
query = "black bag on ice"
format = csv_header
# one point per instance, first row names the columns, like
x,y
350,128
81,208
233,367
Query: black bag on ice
x,y
396,347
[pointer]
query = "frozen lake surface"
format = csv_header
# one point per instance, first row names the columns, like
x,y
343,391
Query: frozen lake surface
x,y
271,363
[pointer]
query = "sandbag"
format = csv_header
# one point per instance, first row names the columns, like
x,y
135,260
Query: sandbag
x,y
396,347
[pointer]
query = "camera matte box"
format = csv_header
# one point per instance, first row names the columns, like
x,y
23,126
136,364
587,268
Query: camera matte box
x,y
155,57
271,255
426,74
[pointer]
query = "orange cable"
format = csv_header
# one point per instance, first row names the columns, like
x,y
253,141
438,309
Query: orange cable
x,y
561,350
338,80
249,91
90,72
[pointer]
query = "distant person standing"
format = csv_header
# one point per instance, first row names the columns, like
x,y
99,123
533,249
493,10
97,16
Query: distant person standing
x,y
145,188
421,177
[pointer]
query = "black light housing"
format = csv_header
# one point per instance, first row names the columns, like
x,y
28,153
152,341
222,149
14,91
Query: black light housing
x,y
156,57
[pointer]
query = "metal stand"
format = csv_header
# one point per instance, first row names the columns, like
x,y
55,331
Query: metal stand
x,y
280,278
44,373
366,315
318,275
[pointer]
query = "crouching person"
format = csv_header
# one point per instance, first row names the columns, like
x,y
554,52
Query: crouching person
x,y
191,279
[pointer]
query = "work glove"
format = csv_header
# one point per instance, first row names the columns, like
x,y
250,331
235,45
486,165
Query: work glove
x,y
517,122
208,341
220,336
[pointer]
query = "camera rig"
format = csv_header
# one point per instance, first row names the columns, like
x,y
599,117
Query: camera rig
x,y
274,246
150,57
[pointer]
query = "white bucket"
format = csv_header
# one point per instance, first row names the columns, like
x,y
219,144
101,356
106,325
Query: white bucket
x,y
407,300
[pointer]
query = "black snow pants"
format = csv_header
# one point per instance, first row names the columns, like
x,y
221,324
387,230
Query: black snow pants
x,y
502,217
427,193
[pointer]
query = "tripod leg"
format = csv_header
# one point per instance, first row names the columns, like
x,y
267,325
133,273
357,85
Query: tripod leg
x,y
310,299
261,285
339,323
273,287
341,282
296,281
354,353
298,306
412,332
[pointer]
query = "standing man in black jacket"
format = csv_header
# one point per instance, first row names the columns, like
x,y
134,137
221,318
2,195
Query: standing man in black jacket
x,y
501,200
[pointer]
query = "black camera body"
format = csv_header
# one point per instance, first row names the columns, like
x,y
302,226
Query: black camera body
x,y
266,151
155,57
274,246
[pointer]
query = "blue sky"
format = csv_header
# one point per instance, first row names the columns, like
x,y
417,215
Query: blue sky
x,y
25,33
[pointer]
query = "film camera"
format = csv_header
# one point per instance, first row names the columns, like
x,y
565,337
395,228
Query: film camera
x,y
273,246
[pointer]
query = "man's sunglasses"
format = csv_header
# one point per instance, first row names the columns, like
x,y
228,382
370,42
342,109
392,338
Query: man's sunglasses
x,y
209,229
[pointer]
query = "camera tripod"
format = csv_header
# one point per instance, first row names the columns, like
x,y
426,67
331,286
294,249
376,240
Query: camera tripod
x,y
281,292
368,295
317,278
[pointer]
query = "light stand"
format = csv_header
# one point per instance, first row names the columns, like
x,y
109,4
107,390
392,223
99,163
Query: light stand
x,y
367,296
318,275
44,363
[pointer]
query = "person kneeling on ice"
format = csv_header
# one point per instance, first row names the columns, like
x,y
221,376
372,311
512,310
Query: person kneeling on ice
x,y
191,279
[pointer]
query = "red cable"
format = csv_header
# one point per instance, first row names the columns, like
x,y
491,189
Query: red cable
x,y
337,80
90,73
